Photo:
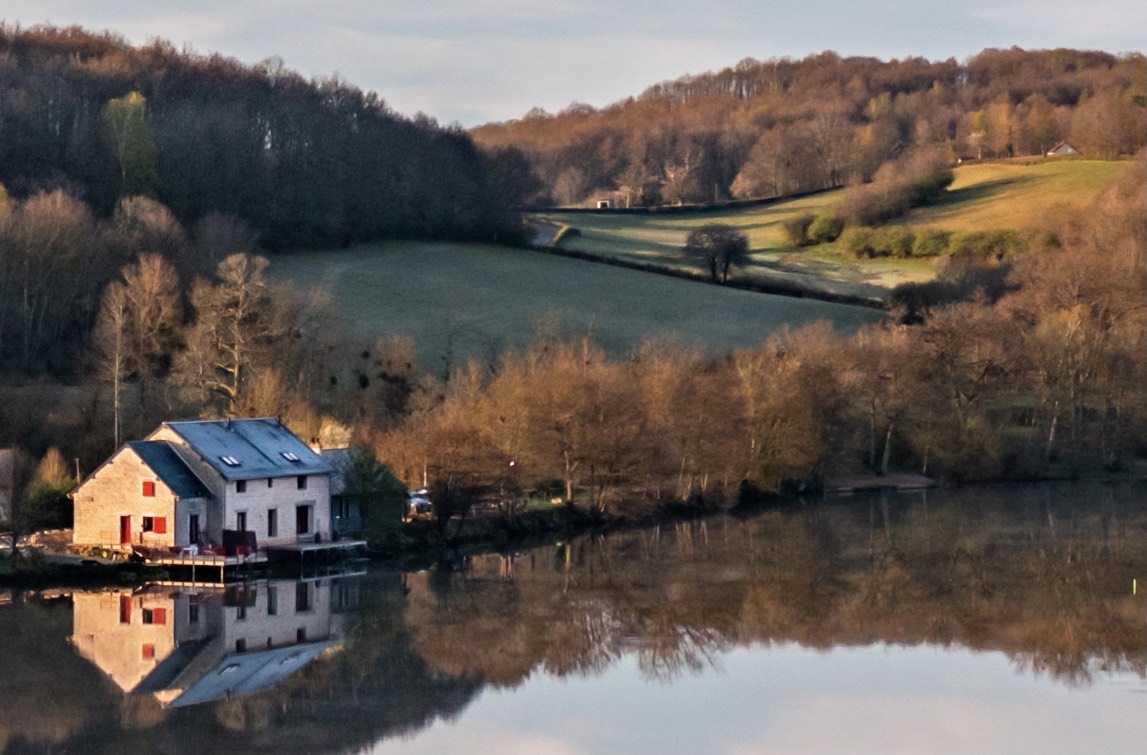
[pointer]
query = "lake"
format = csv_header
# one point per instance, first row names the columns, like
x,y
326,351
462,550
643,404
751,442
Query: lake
x,y
991,619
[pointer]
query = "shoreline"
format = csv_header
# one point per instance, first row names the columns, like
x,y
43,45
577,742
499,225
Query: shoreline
x,y
423,546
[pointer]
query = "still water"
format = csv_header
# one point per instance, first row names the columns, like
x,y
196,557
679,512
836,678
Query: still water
x,y
988,620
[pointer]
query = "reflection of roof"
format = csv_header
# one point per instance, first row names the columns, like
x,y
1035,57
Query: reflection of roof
x,y
165,674
246,673
244,449
167,465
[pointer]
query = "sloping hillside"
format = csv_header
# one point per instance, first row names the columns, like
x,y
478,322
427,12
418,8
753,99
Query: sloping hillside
x,y
1014,194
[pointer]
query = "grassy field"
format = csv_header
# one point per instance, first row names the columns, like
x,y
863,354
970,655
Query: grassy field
x,y
1016,194
1000,195
459,301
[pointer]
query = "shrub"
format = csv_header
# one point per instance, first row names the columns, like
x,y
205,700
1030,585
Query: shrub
x,y
899,241
892,241
858,241
924,189
899,185
998,245
796,229
825,228
872,205
931,243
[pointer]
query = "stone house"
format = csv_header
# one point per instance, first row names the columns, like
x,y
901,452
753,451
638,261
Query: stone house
x,y
199,483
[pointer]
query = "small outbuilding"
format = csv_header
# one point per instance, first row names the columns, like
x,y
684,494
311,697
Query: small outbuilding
x,y
1063,148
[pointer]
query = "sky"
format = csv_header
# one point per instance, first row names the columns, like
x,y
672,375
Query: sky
x,y
474,61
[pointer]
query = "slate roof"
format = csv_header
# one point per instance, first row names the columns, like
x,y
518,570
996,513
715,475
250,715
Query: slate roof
x,y
248,449
169,468
245,673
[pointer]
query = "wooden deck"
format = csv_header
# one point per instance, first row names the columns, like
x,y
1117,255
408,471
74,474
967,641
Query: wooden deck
x,y
206,560
326,545
862,483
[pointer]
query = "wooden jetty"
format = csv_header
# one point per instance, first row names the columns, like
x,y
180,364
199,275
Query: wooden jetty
x,y
863,483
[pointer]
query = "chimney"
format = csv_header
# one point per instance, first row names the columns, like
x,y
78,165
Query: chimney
x,y
316,446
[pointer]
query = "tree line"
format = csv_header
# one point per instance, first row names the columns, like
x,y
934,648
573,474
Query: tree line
x,y
1037,364
780,126
304,163
987,571
1043,371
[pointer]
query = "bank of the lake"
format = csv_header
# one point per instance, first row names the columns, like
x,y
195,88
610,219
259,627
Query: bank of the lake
x,y
980,619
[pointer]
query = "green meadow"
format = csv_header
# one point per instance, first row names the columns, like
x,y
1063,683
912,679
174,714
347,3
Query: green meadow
x,y
1016,194
1012,194
460,301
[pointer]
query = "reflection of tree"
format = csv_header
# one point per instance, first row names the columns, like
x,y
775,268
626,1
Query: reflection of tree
x,y
48,694
1010,570
985,575
374,688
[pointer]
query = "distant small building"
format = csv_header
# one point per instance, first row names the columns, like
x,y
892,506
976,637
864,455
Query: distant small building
x,y
7,483
1063,148
346,506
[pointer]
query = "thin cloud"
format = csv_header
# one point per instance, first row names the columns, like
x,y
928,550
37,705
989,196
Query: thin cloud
x,y
474,61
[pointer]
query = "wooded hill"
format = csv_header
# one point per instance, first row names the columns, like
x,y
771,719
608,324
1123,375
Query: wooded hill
x,y
305,163
781,126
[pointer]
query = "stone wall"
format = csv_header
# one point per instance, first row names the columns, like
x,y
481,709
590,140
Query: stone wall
x,y
115,490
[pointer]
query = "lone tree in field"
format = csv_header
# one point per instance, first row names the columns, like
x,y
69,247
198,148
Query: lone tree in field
x,y
718,246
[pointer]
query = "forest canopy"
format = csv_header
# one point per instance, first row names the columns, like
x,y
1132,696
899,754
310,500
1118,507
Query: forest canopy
x,y
305,163
782,126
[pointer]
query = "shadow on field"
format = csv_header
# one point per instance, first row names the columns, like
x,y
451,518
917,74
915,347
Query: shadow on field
x,y
986,190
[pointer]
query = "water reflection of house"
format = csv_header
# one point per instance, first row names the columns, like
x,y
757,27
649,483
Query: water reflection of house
x,y
190,646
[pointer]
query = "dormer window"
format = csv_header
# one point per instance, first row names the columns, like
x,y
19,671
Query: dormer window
x,y
291,456
230,461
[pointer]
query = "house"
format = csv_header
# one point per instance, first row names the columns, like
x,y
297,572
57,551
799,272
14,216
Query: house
x,y
204,484
1063,148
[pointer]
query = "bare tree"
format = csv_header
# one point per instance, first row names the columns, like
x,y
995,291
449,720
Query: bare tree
x,y
232,329
109,340
137,330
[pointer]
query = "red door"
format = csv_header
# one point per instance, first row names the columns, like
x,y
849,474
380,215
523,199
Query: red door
x,y
125,530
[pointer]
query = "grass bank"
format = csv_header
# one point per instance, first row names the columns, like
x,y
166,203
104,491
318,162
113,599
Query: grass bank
x,y
460,301
1003,195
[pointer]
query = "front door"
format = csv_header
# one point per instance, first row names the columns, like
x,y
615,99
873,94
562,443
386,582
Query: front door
x,y
125,530
193,529
303,520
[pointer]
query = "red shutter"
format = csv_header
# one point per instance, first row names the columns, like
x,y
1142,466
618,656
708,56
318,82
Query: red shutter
x,y
159,525
149,489
148,652
159,616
